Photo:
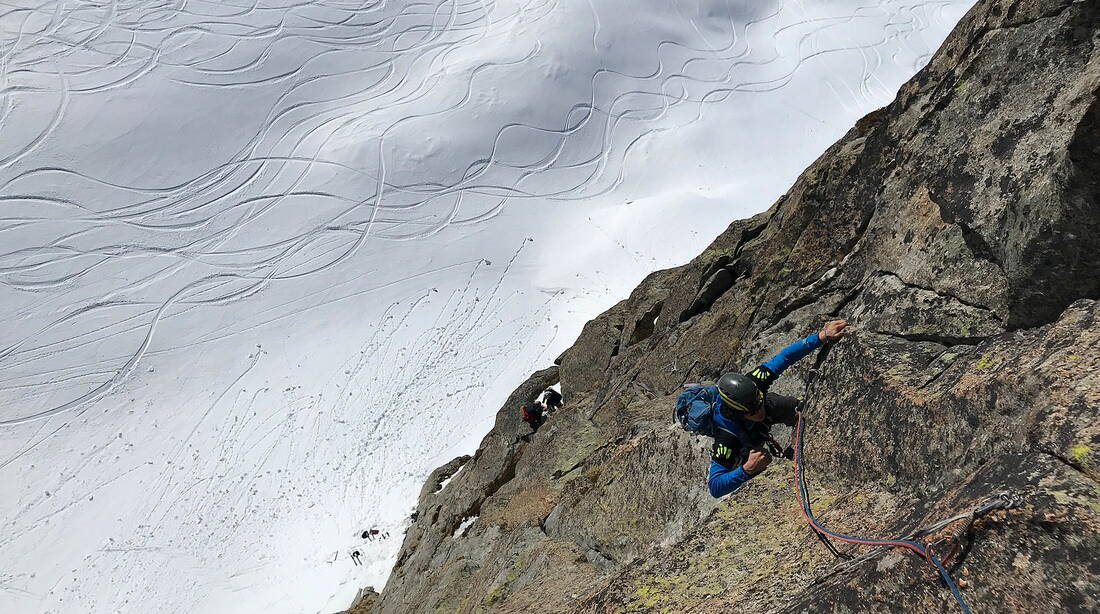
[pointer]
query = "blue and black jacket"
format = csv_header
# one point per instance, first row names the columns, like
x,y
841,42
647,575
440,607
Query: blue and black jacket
x,y
736,434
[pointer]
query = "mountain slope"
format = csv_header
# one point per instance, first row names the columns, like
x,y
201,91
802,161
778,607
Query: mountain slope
x,y
958,230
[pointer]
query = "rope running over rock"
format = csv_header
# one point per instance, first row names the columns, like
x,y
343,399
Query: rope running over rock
x,y
919,549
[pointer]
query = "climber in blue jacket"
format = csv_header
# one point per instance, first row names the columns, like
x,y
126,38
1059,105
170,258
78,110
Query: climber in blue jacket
x,y
746,410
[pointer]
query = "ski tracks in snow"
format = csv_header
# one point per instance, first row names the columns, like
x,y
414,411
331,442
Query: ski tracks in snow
x,y
289,203
183,180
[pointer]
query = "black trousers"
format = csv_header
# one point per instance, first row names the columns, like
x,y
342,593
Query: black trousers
x,y
780,409
536,423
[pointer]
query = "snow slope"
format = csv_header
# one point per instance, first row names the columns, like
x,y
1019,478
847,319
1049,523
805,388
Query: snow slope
x,y
265,264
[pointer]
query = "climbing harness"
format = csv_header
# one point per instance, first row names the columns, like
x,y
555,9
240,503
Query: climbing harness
x,y
1002,501
773,447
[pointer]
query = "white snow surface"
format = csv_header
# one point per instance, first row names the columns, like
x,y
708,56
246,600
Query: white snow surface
x,y
465,524
264,264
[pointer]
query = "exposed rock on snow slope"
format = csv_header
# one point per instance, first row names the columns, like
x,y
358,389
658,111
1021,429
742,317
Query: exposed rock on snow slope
x,y
241,242
957,229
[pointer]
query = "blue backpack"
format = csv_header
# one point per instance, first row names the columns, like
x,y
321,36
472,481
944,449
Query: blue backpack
x,y
697,412
695,408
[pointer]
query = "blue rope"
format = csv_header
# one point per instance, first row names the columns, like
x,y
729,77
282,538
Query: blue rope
x,y
950,583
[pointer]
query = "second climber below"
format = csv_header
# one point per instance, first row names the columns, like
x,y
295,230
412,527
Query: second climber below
x,y
746,410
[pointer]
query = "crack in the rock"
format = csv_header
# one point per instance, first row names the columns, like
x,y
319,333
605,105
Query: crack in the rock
x,y
815,294
763,295
785,310
557,475
852,294
944,340
609,557
626,379
945,368
712,284
749,234
973,239
1078,467
944,294
713,288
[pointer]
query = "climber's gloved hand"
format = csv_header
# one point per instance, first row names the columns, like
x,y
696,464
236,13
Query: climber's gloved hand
x,y
758,460
833,331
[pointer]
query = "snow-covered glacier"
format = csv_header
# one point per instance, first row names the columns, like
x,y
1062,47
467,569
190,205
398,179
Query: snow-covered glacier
x,y
266,263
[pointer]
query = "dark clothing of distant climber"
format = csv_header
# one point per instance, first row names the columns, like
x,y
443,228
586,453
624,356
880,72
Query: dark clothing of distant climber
x,y
746,410
552,399
534,415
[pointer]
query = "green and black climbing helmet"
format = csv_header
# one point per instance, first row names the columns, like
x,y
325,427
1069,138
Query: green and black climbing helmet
x,y
739,392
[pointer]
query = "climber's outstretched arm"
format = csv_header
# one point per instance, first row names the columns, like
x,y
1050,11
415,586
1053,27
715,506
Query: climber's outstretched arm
x,y
800,349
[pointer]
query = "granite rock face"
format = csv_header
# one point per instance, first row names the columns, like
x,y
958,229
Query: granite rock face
x,y
958,230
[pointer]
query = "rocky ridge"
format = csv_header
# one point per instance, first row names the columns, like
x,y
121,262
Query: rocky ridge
x,y
958,230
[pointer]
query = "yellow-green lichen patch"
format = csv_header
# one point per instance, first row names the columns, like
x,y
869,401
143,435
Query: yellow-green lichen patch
x,y
500,590
1078,453
574,449
984,362
745,542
